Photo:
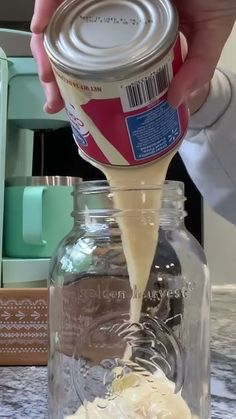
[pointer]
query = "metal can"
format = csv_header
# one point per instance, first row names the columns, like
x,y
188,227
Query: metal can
x,y
114,61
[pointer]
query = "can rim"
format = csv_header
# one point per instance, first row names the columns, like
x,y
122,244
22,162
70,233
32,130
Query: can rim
x,y
118,72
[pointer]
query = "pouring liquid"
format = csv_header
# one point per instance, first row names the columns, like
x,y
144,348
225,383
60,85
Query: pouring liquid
x,y
140,396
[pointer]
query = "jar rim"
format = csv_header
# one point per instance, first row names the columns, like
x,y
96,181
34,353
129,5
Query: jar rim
x,y
102,186
100,203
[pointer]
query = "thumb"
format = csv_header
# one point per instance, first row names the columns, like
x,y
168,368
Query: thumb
x,y
204,50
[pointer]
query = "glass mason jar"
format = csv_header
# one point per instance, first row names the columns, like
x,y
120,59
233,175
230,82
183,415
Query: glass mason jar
x,y
103,364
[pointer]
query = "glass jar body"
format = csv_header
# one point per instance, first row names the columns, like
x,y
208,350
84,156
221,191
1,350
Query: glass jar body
x,y
99,358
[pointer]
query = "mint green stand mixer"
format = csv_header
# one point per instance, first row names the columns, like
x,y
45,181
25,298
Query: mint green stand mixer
x,y
21,113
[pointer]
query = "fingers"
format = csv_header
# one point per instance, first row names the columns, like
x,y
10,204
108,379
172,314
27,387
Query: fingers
x,y
204,50
39,53
54,102
198,98
193,74
43,10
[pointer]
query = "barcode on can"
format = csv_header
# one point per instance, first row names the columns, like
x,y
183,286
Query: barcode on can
x,y
144,91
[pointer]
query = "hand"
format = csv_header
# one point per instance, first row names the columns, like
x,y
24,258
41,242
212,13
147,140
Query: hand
x,y
43,10
206,25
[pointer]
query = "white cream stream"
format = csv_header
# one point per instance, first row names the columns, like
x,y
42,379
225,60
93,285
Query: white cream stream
x,y
139,222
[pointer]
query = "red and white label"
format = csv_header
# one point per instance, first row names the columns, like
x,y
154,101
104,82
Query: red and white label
x,y
126,123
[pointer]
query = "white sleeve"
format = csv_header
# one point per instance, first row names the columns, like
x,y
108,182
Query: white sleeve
x,y
209,150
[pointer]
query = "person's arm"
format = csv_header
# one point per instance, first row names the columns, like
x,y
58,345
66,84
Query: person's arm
x,y
209,150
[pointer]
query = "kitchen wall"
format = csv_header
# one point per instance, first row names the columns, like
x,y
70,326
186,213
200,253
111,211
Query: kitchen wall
x,y
16,10
220,235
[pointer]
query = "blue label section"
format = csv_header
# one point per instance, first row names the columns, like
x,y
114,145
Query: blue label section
x,y
153,131
80,140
